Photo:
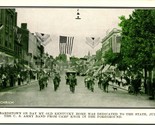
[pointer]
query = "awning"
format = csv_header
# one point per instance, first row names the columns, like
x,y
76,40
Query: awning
x,y
98,70
4,54
106,68
6,59
27,67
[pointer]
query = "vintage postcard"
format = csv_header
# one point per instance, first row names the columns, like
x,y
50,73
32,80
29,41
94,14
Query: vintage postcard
x,y
77,64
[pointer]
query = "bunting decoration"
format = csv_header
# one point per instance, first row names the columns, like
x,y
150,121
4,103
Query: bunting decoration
x,y
66,45
44,39
92,41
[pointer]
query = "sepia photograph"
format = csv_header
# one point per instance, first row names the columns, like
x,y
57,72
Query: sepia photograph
x,y
77,57
77,62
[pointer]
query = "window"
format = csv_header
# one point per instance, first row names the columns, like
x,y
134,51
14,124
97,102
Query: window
x,y
110,42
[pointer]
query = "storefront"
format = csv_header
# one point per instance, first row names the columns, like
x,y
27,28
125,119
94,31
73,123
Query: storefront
x,y
6,59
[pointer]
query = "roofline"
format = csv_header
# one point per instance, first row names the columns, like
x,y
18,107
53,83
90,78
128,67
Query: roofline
x,y
111,32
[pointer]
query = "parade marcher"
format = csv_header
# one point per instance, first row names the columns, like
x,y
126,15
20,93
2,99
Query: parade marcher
x,y
45,79
56,81
101,80
106,83
91,84
41,82
72,83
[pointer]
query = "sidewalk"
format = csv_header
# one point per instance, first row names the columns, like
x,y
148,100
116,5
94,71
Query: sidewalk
x,y
16,86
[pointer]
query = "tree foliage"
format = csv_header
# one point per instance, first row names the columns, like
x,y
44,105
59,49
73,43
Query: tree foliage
x,y
110,57
61,57
99,60
74,60
138,38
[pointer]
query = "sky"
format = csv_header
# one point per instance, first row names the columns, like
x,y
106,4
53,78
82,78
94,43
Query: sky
x,y
95,22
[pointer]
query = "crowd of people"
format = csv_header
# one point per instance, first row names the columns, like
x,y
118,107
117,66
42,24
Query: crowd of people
x,y
133,82
15,76
102,79
11,76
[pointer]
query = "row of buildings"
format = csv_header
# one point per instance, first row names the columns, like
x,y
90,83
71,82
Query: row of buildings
x,y
17,44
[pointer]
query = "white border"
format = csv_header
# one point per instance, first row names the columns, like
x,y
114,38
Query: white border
x,y
118,116
81,3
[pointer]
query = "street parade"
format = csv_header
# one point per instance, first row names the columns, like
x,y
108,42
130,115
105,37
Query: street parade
x,y
79,63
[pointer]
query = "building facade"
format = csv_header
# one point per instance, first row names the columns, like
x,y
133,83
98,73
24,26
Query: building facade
x,y
25,43
39,55
18,45
32,50
111,41
7,24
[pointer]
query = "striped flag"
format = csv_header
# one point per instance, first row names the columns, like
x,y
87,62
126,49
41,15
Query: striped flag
x,y
66,44
44,39
92,41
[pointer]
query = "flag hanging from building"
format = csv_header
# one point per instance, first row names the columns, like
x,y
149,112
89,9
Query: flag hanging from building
x,y
44,39
66,44
92,41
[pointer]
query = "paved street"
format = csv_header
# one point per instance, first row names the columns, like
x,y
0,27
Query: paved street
x,y
30,95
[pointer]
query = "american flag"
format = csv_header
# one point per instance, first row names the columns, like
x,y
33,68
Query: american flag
x,y
92,41
66,44
44,39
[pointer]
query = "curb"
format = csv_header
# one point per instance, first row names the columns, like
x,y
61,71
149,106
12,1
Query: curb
x,y
14,87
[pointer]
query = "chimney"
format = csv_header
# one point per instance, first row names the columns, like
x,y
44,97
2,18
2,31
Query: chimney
x,y
24,26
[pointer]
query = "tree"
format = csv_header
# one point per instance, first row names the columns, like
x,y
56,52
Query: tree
x,y
62,57
99,57
138,38
110,57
